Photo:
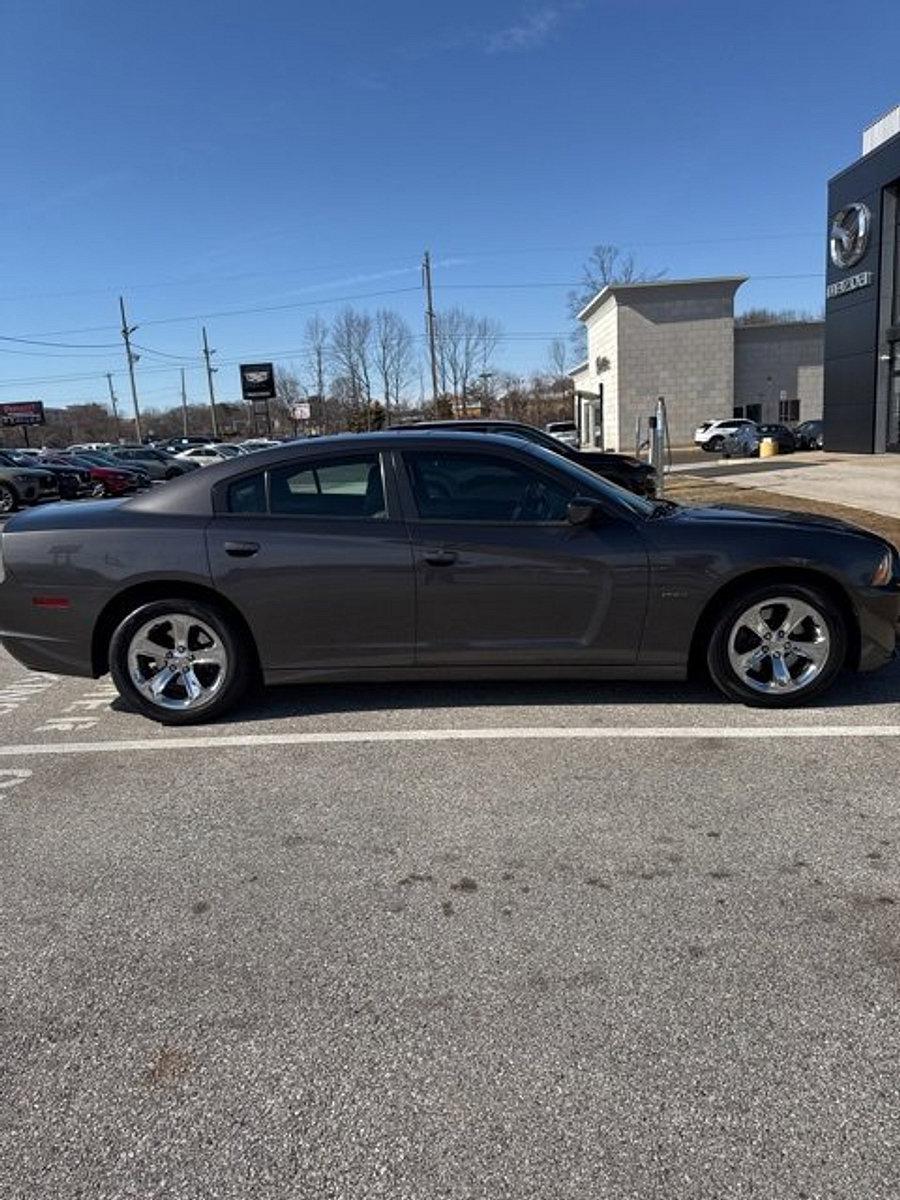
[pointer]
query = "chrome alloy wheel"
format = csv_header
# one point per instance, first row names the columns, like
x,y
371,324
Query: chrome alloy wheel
x,y
7,500
779,646
178,662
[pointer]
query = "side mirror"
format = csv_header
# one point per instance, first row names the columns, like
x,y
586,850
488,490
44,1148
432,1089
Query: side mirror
x,y
583,510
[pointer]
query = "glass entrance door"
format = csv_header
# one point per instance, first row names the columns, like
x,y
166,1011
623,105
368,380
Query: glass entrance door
x,y
893,429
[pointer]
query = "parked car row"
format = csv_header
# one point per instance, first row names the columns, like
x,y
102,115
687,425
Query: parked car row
x,y
97,469
741,438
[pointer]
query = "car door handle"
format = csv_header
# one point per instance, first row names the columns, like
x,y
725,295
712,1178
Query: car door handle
x,y
241,549
440,558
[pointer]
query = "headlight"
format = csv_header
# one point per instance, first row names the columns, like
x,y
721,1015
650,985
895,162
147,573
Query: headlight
x,y
884,572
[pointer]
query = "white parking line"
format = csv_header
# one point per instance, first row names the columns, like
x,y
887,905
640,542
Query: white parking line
x,y
525,733
10,777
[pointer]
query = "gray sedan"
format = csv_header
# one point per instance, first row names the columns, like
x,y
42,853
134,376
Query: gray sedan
x,y
426,555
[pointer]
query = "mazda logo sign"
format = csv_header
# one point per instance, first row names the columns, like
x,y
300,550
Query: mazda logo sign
x,y
849,236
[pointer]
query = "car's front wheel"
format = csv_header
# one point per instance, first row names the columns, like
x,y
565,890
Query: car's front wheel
x,y
179,661
9,501
714,445
777,646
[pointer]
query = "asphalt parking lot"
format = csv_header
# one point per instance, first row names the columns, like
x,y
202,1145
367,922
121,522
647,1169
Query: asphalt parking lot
x,y
427,941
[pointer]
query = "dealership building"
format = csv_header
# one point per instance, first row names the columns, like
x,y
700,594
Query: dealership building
x,y
678,338
862,307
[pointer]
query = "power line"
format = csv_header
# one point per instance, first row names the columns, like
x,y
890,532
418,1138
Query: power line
x,y
408,265
34,339
24,341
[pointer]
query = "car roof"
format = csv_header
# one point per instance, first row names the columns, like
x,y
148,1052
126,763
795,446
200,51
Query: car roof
x,y
461,423
190,495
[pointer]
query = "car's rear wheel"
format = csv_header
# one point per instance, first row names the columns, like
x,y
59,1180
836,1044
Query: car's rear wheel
x,y
9,501
180,661
714,445
777,646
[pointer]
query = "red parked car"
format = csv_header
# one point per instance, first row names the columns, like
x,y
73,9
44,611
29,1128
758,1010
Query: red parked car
x,y
105,481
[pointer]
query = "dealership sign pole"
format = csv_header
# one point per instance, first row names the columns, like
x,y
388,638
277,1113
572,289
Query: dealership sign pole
x,y
258,387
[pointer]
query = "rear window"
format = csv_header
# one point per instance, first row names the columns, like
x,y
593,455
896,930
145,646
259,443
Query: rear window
x,y
333,487
247,495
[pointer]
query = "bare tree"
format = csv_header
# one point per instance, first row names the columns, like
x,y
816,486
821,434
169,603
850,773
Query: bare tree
x,y
394,356
288,392
351,353
607,264
466,345
315,349
558,358
777,316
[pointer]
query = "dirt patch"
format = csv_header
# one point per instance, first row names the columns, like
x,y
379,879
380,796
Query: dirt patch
x,y
169,1064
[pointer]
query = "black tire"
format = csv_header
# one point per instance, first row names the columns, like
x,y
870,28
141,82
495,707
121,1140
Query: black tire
x,y
238,672
9,499
714,445
733,686
171,474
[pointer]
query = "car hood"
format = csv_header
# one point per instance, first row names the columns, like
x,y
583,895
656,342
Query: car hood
x,y
31,472
600,459
745,516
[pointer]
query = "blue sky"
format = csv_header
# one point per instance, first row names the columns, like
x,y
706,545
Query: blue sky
x,y
218,156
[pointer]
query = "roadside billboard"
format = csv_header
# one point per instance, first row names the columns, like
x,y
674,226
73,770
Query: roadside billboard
x,y
22,412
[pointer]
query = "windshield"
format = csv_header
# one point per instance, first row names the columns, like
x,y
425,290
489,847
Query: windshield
x,y
98,459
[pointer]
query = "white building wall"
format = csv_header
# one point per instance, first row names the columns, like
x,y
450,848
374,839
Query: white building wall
x,y
675,341
678,340
603,347
780,358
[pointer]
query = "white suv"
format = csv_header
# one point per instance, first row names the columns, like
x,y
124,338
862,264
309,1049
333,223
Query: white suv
x,y
711,435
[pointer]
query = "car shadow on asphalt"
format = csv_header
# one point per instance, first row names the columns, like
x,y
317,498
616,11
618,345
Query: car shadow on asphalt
x,y
315,699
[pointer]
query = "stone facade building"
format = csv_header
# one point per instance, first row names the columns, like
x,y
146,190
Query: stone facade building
x,y
678,339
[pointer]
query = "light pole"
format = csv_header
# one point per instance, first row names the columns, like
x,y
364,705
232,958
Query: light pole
x,y
485,376
113,399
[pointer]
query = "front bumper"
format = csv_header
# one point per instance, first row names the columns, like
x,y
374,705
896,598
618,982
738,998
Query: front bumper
x,y
878,614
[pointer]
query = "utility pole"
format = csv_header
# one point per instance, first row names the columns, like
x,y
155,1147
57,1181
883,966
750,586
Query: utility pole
x,y
127,331
430,323
210,371
184,411
485,377
113,399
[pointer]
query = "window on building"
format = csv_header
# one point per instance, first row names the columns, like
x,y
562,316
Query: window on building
x,y
788,411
